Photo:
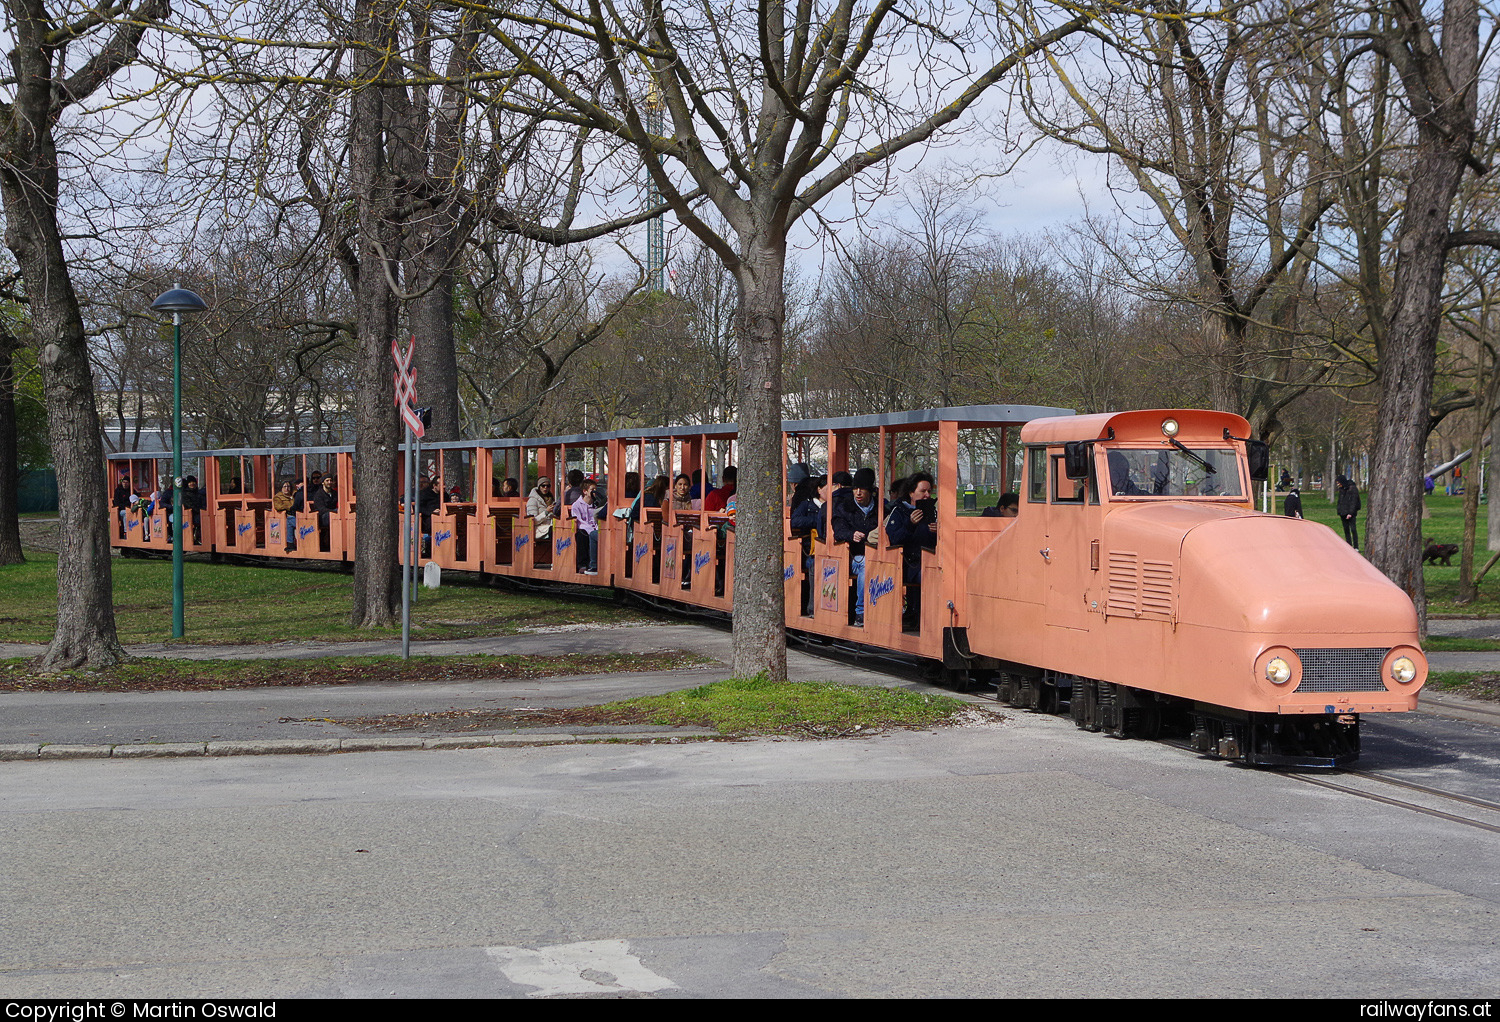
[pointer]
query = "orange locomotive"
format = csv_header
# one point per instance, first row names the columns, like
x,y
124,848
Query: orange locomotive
x,y
1139,583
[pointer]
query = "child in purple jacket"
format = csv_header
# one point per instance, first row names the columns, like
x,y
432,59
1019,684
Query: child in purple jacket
x,y
583,513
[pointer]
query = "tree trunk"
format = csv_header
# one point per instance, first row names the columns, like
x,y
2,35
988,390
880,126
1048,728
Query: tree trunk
x,y
377,575
1492,480
431,318
1443,83
10,460
759,611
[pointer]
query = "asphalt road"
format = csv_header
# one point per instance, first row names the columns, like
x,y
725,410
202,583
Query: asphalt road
x,y
1020,859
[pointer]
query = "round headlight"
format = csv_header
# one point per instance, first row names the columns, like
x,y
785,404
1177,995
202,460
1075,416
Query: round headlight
x,y
1403,670
1278,671
1169,427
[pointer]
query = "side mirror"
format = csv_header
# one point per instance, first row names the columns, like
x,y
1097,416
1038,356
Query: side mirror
x,y
1076,459
1258,453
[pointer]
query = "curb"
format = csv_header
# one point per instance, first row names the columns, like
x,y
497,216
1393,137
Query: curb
x,y
327,746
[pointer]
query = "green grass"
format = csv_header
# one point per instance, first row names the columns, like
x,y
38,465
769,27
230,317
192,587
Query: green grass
x,y
818,709
1474,684
161,674
230,603
1459,644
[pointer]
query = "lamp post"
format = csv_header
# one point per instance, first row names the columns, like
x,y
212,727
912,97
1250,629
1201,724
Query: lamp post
x,y
178,301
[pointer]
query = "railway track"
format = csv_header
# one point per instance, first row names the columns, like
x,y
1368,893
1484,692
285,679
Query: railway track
x,y
1483,814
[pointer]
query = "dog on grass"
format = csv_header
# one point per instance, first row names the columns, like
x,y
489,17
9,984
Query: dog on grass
x,y
1435,552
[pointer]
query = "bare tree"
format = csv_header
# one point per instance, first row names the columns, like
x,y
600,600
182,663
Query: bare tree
x,y
1208,119
769,108
59,59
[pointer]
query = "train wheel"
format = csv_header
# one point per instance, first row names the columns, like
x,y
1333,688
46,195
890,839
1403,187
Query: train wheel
x,y
1005,689
1046,697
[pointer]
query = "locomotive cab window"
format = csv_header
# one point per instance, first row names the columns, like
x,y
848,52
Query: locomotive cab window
x,y
1065,490
1036,475
1175,470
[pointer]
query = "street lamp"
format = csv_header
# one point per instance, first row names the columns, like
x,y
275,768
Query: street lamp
x,y
179,302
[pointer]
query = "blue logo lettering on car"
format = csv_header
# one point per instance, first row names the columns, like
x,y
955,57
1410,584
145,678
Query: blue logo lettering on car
x,y
880,586
563,542
700,561
443,536
522,540
245,527
640,550
829,571
787,575
306,530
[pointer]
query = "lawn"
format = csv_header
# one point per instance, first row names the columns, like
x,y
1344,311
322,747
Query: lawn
x,y
736,707
232,603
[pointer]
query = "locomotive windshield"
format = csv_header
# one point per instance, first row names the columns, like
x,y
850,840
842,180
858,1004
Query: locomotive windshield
x,y
1175,471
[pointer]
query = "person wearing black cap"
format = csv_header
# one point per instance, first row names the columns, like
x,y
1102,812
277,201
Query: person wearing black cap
x,y
856,521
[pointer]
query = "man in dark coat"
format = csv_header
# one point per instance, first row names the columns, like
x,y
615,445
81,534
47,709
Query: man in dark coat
x,y
1347,498
856,521
1292,506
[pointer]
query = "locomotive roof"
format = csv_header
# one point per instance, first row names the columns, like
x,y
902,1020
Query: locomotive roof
x,y
1197,423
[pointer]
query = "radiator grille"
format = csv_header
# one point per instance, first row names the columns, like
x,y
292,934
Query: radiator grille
x,y
1122,582
1341,670
1156,587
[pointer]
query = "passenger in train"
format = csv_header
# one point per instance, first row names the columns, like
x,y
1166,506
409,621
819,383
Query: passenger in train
x,y
912,525
325,501
194,502
282,504
159,499
842,481
718,499
897,486
681,499
428,504
121,502
510,488
656,493
542,508
575,486
632,485
1121,479
1008,506
856,521
809,520
588,525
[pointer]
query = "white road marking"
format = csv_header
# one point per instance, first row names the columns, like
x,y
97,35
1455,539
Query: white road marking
x,y
588,967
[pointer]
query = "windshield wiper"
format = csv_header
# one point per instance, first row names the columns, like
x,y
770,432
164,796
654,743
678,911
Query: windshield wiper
x,y
1196,460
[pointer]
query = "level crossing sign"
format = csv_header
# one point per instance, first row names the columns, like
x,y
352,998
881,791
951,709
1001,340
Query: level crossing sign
x,y
406,386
